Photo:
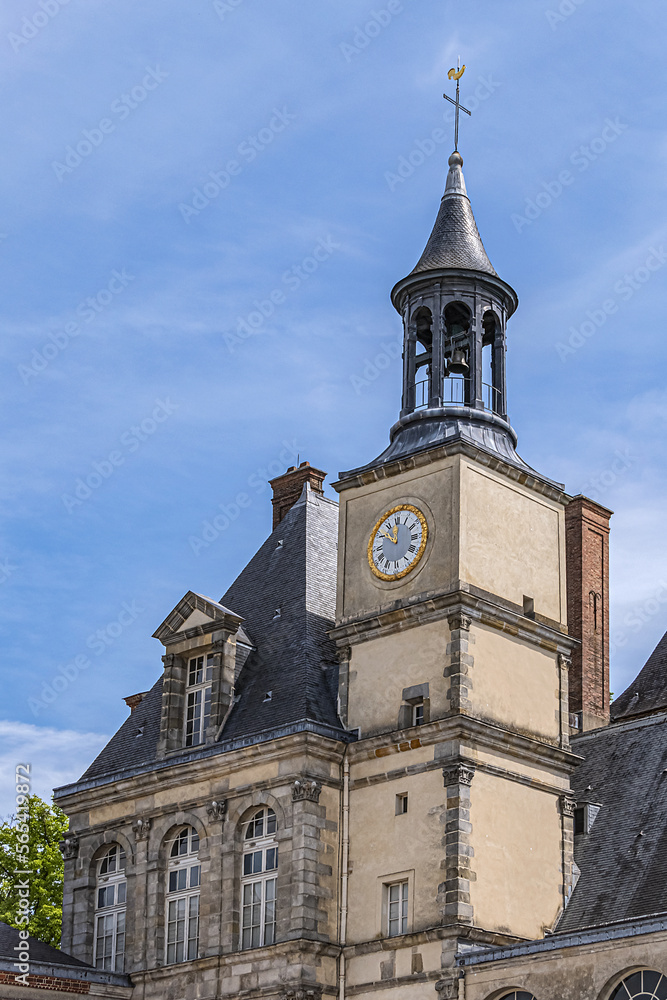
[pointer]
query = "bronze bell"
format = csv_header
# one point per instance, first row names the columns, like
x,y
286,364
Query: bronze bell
x,y
458,365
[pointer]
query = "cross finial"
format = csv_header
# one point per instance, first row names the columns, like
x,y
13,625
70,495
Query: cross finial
x,y
456,74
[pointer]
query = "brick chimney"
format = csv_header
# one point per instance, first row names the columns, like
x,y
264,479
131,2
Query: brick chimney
x,y
587,553
288,487
133,700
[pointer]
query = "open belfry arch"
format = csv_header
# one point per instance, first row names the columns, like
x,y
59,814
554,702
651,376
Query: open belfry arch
x,y
382,762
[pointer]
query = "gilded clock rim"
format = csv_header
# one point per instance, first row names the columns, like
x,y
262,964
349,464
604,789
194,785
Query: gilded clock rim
x,y
420,552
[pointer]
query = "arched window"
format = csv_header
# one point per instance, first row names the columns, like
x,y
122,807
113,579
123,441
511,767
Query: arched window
x,y
517,995
110,893
643,985
184,879
258,886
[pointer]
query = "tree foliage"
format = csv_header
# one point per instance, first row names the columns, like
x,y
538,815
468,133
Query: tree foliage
x,y
43,863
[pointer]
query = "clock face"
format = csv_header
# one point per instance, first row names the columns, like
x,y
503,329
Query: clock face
x,y
397,542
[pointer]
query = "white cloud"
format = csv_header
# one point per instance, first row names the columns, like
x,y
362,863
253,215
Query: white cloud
x,y
55,756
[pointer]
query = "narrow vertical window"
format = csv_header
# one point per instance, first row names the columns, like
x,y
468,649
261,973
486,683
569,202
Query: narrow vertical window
x,y
110,895
198,698
184,880
258,885
397,908
418,713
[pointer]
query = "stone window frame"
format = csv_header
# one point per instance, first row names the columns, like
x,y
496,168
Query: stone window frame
x,y
382,911
161,839
183,862
116,881
233,866
85,891
267,878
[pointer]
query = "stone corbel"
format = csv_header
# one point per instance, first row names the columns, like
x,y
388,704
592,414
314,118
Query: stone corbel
x,y
567,805
459,621
69,846
141,827
313,992
564,661
306,789
447,989
217,810
459,772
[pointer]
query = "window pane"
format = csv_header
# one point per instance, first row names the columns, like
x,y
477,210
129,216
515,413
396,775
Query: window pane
x,y
247,864
121,860
193,927
209,667
194,841
173,881
195,876
271,859
257,862
270,821
122,886
207,709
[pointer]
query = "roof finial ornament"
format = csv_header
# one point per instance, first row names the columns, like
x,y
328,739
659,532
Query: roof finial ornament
x,y
456,74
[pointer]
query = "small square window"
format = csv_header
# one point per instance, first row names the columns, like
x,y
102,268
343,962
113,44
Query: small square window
x,y
401,804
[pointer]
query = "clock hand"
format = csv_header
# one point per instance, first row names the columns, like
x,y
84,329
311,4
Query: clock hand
x,y
390,537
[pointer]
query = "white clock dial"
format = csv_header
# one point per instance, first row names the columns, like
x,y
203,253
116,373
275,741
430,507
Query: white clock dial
x,y
397,542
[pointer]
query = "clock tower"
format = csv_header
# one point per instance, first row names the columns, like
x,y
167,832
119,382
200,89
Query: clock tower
x,y
452,637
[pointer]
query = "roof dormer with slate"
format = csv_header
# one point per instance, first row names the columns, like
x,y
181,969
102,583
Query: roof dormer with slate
x,y
200,637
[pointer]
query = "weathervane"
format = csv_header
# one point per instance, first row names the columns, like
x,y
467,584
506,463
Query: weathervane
x,y
456,74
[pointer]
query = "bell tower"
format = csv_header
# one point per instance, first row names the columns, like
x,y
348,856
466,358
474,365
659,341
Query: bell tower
x,y
452,636
455,310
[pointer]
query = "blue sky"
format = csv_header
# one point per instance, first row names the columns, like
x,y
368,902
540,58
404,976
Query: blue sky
x,y
168,167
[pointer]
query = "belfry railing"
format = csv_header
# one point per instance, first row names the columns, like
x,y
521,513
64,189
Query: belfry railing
x,y
455,388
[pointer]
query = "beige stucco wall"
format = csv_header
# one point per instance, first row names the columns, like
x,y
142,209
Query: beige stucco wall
x,y
385,847
381,668
515,683
516,838
512,541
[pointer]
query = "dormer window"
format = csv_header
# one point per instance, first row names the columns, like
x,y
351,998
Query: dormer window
x,y
198,698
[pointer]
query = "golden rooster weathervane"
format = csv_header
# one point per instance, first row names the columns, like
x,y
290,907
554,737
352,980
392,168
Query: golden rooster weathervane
x,y
456,74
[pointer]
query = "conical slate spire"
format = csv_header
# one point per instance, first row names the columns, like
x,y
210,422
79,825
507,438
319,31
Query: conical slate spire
x,y
455,240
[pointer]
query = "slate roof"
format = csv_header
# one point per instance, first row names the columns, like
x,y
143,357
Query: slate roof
x,y
623,859
455,239
294,658
292,655
648,691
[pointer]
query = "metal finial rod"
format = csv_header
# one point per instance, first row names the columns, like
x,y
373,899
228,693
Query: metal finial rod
x,y
456,74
